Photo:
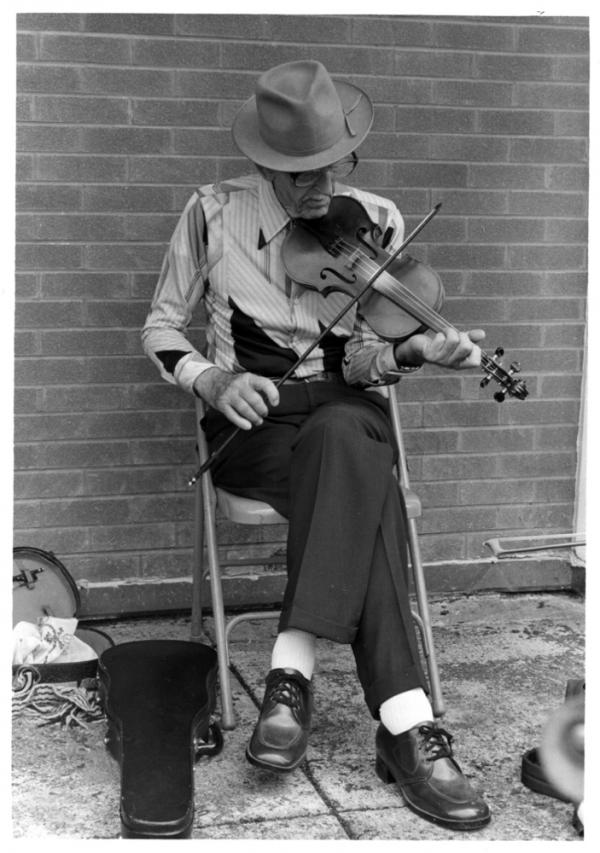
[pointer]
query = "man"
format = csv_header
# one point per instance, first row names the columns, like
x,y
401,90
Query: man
x,y
319,447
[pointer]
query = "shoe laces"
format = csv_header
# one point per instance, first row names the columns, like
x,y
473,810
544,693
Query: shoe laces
x,y
437,742
288,692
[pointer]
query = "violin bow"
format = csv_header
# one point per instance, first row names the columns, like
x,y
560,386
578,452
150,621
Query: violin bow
x,y
350,304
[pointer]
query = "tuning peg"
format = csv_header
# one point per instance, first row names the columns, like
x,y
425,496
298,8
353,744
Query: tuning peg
x,y
500,396
515,367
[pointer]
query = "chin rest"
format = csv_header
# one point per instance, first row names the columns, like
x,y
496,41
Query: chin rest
x,y
159,696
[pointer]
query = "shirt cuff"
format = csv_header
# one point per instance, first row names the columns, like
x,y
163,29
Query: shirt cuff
x,y
387,367
400,369
189,368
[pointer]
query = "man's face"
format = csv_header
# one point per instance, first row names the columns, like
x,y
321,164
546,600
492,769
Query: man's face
x,y
307,195
304,202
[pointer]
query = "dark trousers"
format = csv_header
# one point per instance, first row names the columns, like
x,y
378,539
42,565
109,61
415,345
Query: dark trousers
x,y
323,458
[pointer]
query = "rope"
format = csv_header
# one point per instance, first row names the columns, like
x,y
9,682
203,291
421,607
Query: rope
x,y
70,705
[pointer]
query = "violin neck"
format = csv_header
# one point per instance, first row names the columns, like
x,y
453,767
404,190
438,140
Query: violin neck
x,y
387,285
403,296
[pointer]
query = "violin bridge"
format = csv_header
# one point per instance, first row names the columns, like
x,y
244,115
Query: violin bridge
x,y
352,258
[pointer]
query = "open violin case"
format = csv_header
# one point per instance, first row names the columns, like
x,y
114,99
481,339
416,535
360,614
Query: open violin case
x,y
42,586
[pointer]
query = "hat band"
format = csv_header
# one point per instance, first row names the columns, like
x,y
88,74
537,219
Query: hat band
x,y
347,113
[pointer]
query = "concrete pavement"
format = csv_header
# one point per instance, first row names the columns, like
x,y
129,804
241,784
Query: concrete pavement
x,y
504,661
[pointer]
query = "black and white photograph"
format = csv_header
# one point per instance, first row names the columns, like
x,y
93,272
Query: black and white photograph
x,y
298,344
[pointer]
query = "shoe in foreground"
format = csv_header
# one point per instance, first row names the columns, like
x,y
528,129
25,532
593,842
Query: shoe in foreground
x,y
420,761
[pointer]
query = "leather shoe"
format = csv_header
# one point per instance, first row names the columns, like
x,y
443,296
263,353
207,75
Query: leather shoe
x,y
432,784
280,738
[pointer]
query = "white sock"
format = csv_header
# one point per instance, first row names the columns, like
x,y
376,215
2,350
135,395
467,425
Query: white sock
x,y
405,710
294,649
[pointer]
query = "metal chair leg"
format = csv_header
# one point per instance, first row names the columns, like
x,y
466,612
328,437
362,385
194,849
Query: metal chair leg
x,y
413,507
424,621
248,617
197,631
227,712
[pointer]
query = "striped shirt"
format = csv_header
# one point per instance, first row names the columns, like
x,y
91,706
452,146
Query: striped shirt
x,y
226,251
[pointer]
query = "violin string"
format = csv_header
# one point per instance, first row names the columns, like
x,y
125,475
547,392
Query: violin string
x,y
425,313
338,245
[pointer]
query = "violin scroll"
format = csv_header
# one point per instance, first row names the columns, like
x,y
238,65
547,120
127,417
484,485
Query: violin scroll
x,y
494,370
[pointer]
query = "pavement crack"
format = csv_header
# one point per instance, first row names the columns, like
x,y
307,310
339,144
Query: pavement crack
x,y
333,811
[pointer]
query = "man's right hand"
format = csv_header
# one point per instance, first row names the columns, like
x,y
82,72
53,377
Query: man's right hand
x,y
241,397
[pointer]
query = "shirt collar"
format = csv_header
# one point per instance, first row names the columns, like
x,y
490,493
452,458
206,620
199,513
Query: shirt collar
x,y
271,215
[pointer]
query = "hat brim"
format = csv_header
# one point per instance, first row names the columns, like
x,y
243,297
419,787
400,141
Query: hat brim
x,y
246,134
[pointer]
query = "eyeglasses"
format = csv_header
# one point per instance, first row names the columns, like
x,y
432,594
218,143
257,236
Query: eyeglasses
x,y
341,169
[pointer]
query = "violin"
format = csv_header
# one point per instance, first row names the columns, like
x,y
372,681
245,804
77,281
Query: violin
x,y
342,251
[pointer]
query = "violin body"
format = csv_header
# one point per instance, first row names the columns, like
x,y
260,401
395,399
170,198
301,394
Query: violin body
x,y
397,296
388,319
319,265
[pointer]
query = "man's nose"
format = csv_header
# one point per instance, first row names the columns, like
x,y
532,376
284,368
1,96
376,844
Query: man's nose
x,y
325,182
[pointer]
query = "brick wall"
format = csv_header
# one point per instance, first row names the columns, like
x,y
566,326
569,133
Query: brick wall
x,y
119,117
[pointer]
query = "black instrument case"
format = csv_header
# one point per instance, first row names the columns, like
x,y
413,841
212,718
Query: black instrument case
x,y
158,696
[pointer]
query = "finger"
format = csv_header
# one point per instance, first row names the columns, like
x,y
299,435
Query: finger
x,y
476,335
255,401
434,346
446,343
238,395
231,414
233,400
246,409
467,354
474,359
266,386
463,349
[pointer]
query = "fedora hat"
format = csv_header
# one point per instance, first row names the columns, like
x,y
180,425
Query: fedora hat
x,y
300,119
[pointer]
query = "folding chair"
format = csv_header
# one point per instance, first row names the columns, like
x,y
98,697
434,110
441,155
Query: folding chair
x,y
245,511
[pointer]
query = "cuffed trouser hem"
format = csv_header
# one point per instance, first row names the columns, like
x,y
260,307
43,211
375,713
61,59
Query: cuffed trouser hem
x,y
385,688
298,618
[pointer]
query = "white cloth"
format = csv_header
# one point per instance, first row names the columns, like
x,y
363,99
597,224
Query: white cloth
x,y
50,640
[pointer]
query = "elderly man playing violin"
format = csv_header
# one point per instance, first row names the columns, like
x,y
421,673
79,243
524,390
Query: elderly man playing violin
x,y
318,447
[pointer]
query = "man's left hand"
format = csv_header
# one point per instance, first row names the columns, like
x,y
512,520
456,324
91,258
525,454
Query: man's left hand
x,y
452,349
